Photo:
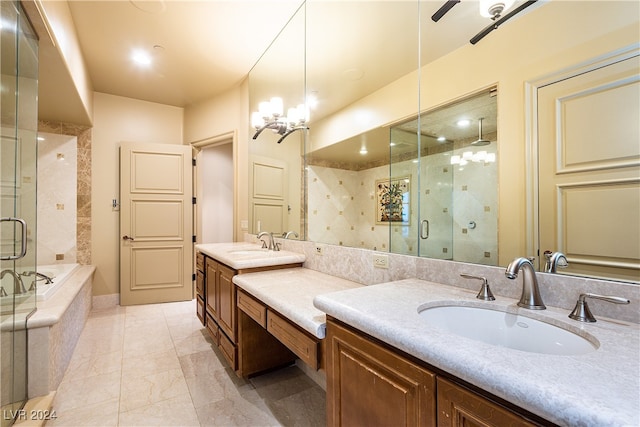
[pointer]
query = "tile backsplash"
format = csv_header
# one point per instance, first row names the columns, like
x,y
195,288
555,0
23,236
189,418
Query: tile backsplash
x,y
557,290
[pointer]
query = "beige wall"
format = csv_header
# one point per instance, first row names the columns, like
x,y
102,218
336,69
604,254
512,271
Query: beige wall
x,y
57,16
557,38
228,112
118,119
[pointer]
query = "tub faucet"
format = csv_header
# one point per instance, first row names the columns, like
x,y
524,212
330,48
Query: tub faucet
x,y
530,297
271,246
47,280
18,285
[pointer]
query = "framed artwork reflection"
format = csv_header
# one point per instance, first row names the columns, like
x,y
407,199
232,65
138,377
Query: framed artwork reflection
x,y
393,200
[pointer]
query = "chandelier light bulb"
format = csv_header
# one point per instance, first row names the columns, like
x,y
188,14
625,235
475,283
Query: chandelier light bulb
x,y
276,106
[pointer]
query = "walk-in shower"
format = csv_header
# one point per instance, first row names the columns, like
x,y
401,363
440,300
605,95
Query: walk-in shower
x,y
18,154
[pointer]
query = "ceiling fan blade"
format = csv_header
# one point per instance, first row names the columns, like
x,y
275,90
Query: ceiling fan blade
x,y
444,9
494,26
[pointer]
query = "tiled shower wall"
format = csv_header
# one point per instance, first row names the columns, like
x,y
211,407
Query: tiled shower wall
x,y
57,176
341,208
83,183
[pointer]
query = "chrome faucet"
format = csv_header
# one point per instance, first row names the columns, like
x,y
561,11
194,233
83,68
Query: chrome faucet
x,y
47,280
18,285
554,260
530,297
485,292
272,246
581,311
289,233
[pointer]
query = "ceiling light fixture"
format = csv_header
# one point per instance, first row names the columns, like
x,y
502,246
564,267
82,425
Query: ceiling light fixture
x,y
269,116
141,57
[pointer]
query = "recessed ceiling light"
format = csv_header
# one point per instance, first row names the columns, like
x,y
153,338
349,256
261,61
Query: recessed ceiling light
x,y
141,57
363,151
442,139
463,122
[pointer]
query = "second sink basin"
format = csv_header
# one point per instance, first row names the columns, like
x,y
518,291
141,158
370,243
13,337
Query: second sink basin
x,y
249,252
507,330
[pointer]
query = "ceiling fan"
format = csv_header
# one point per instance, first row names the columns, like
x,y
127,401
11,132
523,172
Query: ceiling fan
x,y
495,9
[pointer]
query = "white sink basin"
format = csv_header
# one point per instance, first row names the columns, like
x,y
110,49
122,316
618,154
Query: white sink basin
x,y
249,252
507,330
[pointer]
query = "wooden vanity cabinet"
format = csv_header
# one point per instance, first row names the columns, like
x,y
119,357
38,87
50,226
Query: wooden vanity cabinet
x,y
371,383
367,384
221,312
221,308
200,289
459,406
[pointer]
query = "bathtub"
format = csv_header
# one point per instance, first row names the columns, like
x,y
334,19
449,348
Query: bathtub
x,y
58,273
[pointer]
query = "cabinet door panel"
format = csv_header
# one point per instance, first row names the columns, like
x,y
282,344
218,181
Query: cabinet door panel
x,y
369,385
459,407
212,289
200,284
227,302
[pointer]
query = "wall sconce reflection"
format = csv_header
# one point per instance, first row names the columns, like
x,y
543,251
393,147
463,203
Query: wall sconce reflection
x,y
269,116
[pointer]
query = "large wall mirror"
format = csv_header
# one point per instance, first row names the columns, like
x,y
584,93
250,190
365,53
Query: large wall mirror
x,y
388,82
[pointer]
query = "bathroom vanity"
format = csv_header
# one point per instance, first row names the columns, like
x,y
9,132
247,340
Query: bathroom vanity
x,y
389,356
381,349
216,307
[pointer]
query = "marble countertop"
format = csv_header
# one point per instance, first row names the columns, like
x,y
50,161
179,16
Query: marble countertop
x,y
241,255
599,388
291,291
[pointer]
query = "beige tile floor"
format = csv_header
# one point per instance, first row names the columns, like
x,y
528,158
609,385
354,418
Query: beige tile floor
x,y
154,365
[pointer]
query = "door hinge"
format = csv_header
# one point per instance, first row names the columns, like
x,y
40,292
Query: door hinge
x,y
193,200
194,239
193,162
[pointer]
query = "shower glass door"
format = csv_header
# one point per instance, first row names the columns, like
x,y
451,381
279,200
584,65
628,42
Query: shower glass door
x,y
18,144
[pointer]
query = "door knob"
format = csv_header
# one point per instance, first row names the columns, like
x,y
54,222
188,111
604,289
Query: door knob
x,y
127,238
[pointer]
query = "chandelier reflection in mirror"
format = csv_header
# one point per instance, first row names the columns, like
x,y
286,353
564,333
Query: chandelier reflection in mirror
x,y
269,116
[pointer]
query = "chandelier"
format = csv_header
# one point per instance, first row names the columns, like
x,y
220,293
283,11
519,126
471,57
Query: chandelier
x,y
269,116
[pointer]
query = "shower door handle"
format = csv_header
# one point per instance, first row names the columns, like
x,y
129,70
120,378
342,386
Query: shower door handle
x,y
23,243
424,229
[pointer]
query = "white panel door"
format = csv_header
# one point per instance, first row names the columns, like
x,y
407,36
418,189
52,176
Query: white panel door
x,y
155,223
269,195
589,157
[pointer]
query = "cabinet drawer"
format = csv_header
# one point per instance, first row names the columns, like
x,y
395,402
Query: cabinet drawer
x,y
200,310
199,261
305,347
254,308
459,406
229,350
212,328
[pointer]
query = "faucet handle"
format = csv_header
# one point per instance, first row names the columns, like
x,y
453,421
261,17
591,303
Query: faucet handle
x,y
485,292
581,311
